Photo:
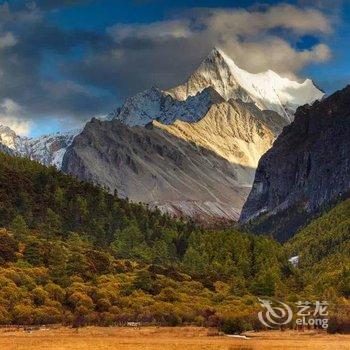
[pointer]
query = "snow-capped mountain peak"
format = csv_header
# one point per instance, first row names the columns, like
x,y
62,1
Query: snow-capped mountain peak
x,y
218,78
10,139
50,149
155,104
267,90
47,149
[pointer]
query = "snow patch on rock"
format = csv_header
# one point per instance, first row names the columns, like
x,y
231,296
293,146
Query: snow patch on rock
x,y
47,149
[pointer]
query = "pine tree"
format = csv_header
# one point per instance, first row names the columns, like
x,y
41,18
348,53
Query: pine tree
x,y
18,227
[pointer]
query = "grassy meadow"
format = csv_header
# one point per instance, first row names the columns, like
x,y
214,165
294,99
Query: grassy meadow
x,y
165,338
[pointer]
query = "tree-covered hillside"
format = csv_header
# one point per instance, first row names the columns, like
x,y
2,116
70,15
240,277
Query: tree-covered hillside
x,y
323,248
72,253
47,200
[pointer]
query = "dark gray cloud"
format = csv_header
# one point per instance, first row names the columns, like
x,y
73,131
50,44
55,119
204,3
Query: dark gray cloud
x,y
33,91
136,65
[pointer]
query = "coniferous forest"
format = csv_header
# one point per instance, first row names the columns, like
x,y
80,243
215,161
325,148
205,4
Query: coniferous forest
x,y
72,253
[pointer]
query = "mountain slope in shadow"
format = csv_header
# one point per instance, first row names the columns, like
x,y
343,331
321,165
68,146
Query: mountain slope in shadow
x,y
306,170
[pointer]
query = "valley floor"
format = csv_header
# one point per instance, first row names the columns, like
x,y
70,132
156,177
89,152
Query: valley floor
x,y
161,338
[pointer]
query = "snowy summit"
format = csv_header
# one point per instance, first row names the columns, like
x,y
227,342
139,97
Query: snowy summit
x,y
267,90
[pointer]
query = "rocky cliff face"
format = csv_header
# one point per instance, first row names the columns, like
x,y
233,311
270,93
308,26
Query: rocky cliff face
x,y
307,168
6,150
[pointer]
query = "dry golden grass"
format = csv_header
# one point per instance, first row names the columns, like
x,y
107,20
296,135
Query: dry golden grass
x,y
154,338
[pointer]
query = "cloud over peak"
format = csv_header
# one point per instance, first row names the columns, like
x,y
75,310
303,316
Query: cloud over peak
x,y
76,73
10,115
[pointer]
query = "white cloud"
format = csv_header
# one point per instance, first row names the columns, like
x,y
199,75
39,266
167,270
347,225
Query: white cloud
x,y
276,54
10,113
257,40
155,30
7,40
244,22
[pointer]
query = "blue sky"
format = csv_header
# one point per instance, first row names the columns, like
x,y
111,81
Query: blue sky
x,y
63,62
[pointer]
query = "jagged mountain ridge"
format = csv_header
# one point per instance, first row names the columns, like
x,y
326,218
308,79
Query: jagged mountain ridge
x,y
267,90
50,149
306,170
232,130
154,104
47,149
218,72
